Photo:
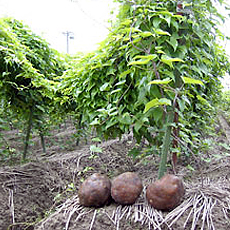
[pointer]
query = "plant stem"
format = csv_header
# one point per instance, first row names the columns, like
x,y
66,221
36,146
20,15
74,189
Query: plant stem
x,y
166,144
28,131
176,129
42,142
79,126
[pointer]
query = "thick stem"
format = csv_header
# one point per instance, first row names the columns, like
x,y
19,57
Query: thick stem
x,y
165,147
28,131
175,145
176,129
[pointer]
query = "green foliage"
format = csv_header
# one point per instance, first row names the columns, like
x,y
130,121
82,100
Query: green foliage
x,y
157,60
27,67
224,105
226,100
95,149
150,43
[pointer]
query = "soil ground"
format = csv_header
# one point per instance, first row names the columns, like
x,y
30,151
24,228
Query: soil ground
x,y
42,194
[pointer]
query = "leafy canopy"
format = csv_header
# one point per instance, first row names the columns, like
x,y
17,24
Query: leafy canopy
x,y
157,52
27,66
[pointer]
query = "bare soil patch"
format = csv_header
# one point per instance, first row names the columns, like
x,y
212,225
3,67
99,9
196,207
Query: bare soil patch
x,y
42,194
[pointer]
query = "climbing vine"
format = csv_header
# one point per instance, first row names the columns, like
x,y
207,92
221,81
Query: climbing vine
x,y
157,75
161,58
27,67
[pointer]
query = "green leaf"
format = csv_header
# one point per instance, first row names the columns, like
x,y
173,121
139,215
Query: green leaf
x,y
146,34
115,91
111,123
144,59
161,32
120,83
165,101
125,119
160,52
178,16
175,24
140,62
157,102
165,13
105,87
188,80
190,168
138,125
157,114
151,56
167,18
95,122
127,22
169,60
96,139
40,108
173,42
181,104
156,22
123,74
95,149
197,70
151,104
203,101
134,152
165,81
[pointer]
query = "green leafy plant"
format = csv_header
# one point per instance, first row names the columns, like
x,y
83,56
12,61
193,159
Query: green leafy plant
x,y
27,66
84,172
157,74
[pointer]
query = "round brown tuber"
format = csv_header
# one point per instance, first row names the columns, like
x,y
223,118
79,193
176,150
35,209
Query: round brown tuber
x,y
95,191
126,188
166,193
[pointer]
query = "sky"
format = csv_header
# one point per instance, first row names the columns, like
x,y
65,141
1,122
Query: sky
x,y
87,20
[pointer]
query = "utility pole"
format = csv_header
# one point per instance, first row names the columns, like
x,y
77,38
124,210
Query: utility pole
x,y
69,35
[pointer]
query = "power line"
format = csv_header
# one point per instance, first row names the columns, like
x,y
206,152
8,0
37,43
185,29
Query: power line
x,y
90,17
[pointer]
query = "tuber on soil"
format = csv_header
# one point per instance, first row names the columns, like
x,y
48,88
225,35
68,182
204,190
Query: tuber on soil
x,y
126,188
95,191
166,193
